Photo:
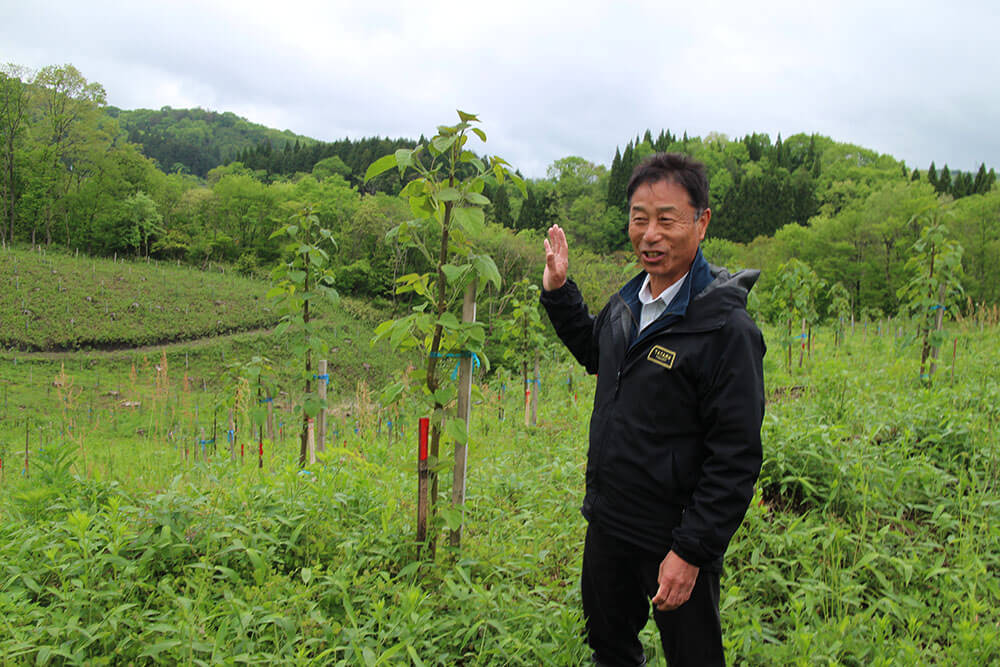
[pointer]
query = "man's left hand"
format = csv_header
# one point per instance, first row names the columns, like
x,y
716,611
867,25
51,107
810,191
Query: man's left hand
x,y
676,580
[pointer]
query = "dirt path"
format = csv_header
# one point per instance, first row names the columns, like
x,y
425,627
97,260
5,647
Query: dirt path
x,y
111,352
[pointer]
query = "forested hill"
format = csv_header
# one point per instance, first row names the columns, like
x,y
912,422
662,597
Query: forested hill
x,y
193,141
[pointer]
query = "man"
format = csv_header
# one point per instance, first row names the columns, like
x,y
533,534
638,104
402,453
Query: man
x,y
675,431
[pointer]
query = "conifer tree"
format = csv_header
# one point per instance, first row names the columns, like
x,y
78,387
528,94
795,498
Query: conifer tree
x,y
944,181
526,218
979,185
616,189
501,207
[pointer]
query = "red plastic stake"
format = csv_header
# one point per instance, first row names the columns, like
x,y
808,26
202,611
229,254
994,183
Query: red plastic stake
x,y
425,425
422,478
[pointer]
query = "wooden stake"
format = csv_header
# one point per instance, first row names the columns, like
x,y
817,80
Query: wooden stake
x,y
232,437
954,355
270,418
534,395
311,439
321,417
939,325
802,346
464,413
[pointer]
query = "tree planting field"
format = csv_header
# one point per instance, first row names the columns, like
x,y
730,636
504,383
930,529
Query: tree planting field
x,y
127,536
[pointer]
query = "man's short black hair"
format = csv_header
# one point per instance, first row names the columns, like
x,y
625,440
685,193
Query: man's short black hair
x,y
673,168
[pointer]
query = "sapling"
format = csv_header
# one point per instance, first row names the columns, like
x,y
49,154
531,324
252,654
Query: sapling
x,y
301,278
793,298
445,196
523,333
839,310
936,269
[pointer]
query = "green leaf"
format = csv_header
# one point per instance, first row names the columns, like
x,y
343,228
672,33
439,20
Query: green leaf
x,y
519,182
467,117
414,657
399,333
479,133
404,159
487,270
443,143
477,199
382,329
449,194
391,393
449,321
380,165
445,394
455,428
469,218
453,273
415,187
452,517
281,328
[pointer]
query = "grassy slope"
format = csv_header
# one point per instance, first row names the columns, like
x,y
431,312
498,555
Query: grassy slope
x,y
51,301
52,314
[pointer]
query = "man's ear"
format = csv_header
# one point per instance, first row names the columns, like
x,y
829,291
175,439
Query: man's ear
x,y
702,222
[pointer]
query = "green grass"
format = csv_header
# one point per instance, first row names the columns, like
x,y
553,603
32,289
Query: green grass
x,y
53,301
874,537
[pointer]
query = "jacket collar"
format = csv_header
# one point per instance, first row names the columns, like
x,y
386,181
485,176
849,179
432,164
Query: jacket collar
x,y
698,278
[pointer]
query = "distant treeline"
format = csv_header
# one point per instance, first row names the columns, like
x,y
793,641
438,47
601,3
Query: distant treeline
x,y
199,186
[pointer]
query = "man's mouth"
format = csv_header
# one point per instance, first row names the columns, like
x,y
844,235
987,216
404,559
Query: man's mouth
x,y
652,255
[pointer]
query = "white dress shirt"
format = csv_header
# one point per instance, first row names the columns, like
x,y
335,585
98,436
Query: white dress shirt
x,y
654,307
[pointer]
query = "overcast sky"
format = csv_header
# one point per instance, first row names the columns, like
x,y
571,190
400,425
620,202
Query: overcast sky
x,y
917,80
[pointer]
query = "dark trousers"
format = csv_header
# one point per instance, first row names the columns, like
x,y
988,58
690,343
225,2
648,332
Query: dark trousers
x,y
617,583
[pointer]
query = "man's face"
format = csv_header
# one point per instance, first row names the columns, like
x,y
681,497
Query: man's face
x,y
665,232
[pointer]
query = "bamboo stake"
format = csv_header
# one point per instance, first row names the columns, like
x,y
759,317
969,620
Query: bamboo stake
x,y
464,413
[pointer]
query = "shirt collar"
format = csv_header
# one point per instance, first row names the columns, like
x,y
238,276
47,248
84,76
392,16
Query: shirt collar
x,y
666,296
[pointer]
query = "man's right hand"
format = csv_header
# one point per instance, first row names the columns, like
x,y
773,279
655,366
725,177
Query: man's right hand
x,y
556,259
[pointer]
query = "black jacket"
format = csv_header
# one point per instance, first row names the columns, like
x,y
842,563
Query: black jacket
x,y
675,433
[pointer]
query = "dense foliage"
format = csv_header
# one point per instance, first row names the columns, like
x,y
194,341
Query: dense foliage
x,y
872,540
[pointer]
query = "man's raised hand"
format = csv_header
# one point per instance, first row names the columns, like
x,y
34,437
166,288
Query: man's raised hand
x,y
556,259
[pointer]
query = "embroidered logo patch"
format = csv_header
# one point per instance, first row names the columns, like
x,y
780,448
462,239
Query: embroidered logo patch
x,y
662,356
